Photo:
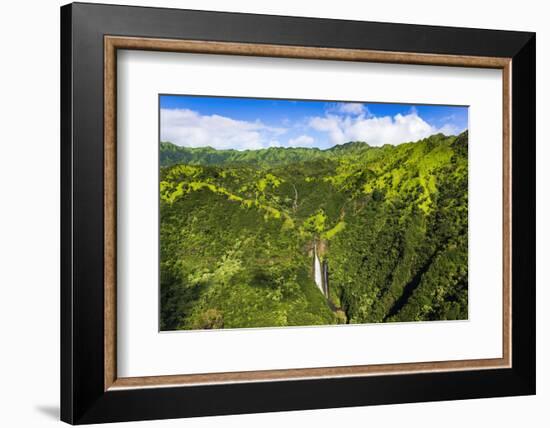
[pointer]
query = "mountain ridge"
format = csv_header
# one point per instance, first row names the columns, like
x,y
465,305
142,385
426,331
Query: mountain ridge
x,y
171,154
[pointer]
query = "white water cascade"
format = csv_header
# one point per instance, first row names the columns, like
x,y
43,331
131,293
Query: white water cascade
x,y
318,273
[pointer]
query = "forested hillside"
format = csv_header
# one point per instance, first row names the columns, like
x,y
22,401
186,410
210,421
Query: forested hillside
x,y
240,230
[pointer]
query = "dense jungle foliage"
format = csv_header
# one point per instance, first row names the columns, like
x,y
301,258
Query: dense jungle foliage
x,y
239,230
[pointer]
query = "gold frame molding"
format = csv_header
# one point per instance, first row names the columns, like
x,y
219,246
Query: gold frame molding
x,y
113,43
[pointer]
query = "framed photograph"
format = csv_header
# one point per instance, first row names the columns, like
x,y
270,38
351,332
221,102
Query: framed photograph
x,y
266,213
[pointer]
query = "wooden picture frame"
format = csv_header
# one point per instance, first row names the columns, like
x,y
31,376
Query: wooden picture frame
x,y
91,390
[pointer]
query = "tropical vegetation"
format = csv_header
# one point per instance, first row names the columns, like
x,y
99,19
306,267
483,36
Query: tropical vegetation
x,y
240,232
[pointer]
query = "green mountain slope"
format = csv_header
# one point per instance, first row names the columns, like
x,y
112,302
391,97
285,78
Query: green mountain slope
x,y
239,231
170,154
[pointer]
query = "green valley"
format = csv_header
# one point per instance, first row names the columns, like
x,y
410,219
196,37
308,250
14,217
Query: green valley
x,y
305,236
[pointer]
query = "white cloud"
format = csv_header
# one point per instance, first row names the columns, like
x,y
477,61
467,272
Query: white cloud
x,y
188,128
450,129
350,108
301,141
377,131
341,123
274,143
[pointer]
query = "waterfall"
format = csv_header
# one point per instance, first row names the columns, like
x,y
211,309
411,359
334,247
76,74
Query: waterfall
x,y
318,273
325,278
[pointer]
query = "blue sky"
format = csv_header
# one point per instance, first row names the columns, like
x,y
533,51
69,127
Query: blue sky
x,y
252,123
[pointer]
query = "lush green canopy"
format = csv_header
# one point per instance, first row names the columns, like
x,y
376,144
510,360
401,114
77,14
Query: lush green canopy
x,y
238,229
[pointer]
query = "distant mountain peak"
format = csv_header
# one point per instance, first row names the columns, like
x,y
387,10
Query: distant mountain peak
x,y
350,145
